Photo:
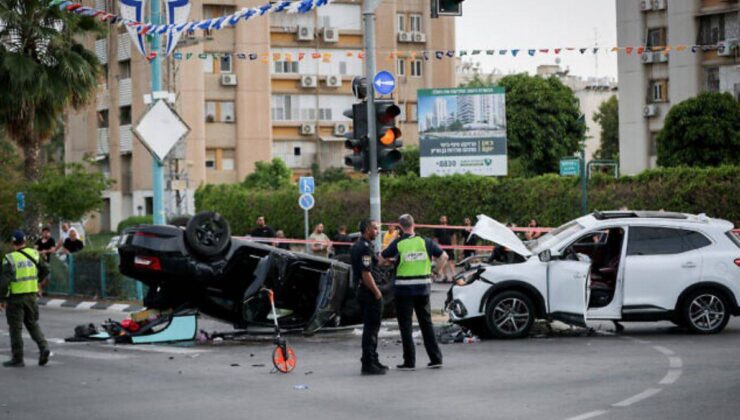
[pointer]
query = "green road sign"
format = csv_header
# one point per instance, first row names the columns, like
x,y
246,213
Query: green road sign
x,y
569,167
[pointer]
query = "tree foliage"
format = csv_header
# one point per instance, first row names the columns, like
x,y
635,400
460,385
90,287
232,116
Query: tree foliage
x,y
409,162
329,175
68,192
269,175
701,131
11,184
542,121
608,118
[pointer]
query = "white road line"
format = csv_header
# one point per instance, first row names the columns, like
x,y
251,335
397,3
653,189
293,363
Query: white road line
x,y
637,340
160,349
675,362
671,377
590,415
86,305
82,354
665,351
55,303
118,307
639,397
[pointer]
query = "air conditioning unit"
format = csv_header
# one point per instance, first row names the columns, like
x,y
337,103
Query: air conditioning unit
x,y
659,4
646,5
647,57
305,33
308,129
334,81
331,35
309,81
660,57
420,37
650,111
340,129
228,80
726,48
404,36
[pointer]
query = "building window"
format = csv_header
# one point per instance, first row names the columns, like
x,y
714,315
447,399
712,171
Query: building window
x,y
712,79
401,67
208,64
400,22
227,160
296,151
282,108
656,37
325,114
124,69
217,10
415,23
225,63
286,67
220,111
210,159
658,91
103,118
343,68
124,115
412,112
712,29
416,68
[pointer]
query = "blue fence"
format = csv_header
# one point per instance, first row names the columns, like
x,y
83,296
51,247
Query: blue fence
x,y
93,275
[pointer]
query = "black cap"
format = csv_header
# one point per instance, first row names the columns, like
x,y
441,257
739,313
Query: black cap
x,y
18,237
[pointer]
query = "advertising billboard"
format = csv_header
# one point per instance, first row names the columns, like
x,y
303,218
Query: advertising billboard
x,y
462,130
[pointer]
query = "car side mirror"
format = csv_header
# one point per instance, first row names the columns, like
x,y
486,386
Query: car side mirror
x,y
545,256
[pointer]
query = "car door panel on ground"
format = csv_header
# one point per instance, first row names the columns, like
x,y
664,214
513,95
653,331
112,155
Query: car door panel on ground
x,y
661,263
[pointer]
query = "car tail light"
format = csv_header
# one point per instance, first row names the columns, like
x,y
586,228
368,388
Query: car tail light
x,y
737,262
145,234
150,263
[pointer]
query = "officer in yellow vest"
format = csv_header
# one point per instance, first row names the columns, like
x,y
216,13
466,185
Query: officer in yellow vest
x,y
19,285
413,258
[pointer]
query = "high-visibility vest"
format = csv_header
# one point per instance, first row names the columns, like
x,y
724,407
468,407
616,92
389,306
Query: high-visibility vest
x,y
414,266
26,274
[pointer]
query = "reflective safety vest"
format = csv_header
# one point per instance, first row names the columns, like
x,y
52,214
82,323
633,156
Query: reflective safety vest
x,y
26,274
414,264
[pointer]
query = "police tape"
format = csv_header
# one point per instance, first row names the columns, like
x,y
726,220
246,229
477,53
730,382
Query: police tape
x,y
453,227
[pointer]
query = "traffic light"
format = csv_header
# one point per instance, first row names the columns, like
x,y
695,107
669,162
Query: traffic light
x,y
388,135
357,139
446,8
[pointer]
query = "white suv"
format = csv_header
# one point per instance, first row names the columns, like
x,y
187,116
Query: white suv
x,y
619,266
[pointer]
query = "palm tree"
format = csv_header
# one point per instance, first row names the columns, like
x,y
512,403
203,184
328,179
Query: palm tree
x,y
44,69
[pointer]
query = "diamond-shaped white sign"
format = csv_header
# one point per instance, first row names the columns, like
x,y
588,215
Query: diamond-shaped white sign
x,y
160,129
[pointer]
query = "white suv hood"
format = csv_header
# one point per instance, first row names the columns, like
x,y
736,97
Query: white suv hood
x,y
493,231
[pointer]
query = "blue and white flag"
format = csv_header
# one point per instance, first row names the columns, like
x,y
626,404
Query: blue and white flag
x,y
133,10
178,12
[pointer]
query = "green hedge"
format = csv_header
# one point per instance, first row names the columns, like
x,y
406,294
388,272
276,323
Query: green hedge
x,y
134,221
551,199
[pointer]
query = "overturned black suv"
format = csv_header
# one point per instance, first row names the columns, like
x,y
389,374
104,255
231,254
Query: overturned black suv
x,y
201,266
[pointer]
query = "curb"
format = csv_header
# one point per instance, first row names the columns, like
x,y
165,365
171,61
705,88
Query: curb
x,y
86,305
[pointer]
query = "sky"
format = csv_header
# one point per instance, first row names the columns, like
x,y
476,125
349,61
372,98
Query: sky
x,y
536,24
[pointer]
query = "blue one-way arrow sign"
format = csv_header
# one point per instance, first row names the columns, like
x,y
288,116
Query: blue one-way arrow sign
x,y
384,83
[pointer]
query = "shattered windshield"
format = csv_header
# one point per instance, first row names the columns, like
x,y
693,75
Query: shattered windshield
x,y
554,237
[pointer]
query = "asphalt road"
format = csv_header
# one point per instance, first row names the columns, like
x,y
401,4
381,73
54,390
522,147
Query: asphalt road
x,y
652,371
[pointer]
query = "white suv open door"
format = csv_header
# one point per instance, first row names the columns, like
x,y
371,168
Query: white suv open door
x,y
567,290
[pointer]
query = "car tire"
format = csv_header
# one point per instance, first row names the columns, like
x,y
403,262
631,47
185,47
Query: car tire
x,y
208,234
705,311
510,315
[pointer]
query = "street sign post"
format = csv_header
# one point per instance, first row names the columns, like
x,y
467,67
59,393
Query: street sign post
x,y
160,129
384,83
569,167
306,185
306,201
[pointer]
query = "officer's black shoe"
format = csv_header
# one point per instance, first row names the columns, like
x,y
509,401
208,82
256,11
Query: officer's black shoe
x,y
380,365
406,366
44,357
373,370
14,363
434,365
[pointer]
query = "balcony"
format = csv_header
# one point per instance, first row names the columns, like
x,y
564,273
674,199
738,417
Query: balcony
x,y
124,46
125,139
103,141
101,50
124,92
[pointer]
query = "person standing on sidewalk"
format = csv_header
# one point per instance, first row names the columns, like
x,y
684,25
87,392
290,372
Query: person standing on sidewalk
x,y
369,296
413,256
444,237
19,284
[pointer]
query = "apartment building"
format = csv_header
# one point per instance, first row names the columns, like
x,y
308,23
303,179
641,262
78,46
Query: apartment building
x,y
651,83
287,103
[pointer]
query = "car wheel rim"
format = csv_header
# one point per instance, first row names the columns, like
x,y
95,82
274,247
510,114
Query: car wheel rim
x,y
511,315
706,312
208,234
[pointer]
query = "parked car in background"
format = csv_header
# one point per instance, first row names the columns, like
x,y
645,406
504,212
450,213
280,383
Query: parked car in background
x,y
619,266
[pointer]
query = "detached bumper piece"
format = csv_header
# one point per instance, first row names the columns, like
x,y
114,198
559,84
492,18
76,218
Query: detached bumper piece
x,y
172,327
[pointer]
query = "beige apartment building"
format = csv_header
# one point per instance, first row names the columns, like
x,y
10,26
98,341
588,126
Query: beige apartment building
x,y
650,84
284,104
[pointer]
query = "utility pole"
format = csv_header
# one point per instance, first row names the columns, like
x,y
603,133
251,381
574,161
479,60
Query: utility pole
x,y
157,166
368,14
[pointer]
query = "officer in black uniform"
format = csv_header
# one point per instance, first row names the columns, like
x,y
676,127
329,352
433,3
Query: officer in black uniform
x,y
369,296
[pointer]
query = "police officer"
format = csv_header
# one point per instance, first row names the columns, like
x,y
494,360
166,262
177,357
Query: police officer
x,y
369,296
19,283
413,256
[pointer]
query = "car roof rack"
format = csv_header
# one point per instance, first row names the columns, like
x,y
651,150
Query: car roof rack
x,y
630,214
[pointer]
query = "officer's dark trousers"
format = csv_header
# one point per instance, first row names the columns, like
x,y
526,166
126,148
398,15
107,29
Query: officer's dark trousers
x,y
405,307
23,310
372,310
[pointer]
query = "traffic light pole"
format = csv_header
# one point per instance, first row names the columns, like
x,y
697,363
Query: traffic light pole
x,y
368,15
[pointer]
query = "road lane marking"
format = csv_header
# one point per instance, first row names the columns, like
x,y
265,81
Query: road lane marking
x,y
86,305
639,397
82,354
675,362
671,377
665,351
590,415
55,303
118,307
160,349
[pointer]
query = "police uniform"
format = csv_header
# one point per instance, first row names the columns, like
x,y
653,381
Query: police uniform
x,y
364,260
412,287
19,283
